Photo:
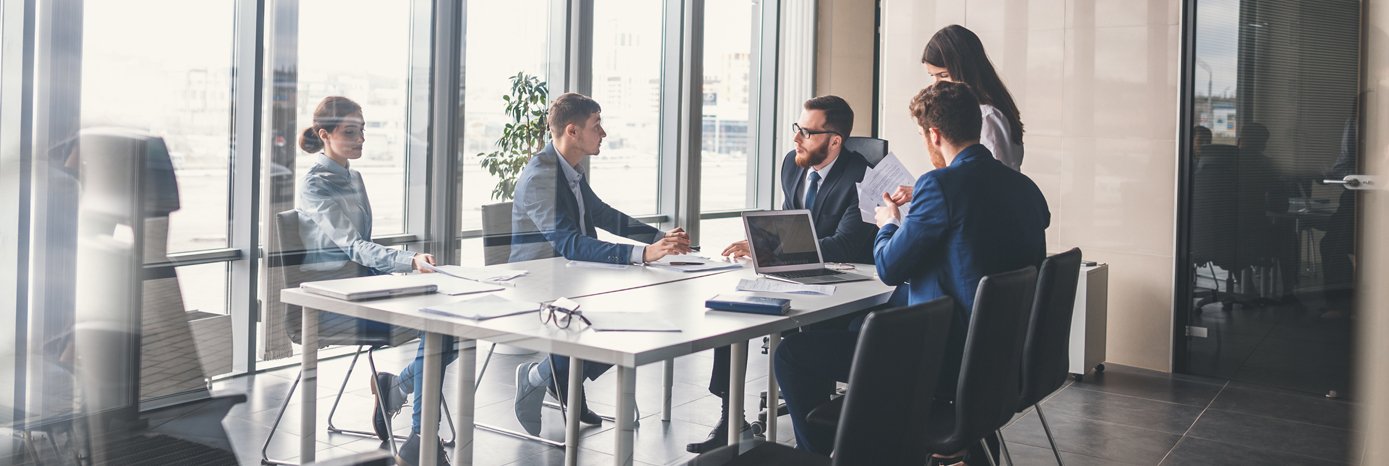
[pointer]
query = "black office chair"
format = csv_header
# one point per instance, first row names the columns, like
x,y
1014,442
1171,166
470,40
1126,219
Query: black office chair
x,y
286,255
872,149
986,395
896,366
1046,351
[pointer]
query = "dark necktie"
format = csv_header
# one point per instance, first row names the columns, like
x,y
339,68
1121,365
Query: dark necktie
x,y
810,191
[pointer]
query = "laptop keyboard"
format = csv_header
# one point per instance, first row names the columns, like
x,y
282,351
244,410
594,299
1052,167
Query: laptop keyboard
x,y
806,273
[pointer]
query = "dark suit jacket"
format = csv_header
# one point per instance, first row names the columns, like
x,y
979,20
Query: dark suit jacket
x,y
844,237
545,218
973,218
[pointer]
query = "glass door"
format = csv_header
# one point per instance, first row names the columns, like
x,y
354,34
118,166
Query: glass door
x,y
1268,246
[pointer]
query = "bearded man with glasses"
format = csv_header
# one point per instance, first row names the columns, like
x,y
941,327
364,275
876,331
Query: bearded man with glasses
x,y
819,176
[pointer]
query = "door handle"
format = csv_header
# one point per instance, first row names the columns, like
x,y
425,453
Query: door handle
x,y
1355,182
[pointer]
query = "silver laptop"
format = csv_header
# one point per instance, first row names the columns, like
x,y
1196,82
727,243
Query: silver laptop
x,y
380,286
784,247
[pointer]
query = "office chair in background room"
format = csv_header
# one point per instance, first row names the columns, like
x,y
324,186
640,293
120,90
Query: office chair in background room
x,y
286,255
884,413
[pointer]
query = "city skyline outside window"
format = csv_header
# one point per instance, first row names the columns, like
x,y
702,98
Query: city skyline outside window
x,y
627,83
727,136
487,77
134,78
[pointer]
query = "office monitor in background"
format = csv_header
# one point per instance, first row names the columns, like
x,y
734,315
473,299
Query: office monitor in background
x,y
784,247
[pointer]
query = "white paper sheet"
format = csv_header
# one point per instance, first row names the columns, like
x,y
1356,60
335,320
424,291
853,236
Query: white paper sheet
x,y
777,286
488,275
482,308
883,178
630,322
694,263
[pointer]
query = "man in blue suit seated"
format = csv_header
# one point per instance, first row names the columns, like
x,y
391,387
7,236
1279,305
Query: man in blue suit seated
x,y
819,176
556,213
972,216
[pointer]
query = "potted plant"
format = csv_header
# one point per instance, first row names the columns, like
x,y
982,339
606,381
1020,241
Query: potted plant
x,y
525,135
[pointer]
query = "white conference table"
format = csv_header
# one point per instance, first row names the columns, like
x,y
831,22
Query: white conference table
x,y
678,296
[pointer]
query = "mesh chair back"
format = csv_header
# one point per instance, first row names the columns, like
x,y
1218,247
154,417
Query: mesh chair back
x,y
896,367
496,233
1046,352
990,370
872,149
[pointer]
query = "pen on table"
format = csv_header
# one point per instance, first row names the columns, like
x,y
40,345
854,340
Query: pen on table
x,y
686,263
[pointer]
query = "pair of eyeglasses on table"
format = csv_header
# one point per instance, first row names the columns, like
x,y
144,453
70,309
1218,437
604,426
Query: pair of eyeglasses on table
x,y
562,312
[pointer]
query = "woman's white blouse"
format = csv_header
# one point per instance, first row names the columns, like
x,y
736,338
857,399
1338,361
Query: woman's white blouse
x,y
997,135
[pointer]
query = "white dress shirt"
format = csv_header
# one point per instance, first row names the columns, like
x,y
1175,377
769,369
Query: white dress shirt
x,y
824,173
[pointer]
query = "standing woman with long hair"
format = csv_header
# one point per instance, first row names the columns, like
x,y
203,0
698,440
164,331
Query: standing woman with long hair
x,y
956,54
337,230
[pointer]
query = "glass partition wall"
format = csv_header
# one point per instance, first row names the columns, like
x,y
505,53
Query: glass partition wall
x,y
150,148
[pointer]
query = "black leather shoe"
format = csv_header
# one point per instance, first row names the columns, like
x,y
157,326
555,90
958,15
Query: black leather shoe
x,y
717,437
586,416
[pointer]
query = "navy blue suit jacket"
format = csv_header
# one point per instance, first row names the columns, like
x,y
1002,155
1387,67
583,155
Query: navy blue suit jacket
x,y
545,218
843,235
973,218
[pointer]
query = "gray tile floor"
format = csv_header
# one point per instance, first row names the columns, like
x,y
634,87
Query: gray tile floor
x,y
1122,416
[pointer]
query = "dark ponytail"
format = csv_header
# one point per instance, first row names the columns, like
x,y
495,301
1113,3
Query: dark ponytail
x,y
327,116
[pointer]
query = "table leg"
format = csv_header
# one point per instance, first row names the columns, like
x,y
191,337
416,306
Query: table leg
x,y
667,383
464,417
737,368
308,386
773,391
626,415
575,410
433,381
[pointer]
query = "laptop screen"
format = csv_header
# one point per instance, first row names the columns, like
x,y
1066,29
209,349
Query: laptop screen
x,y
783,239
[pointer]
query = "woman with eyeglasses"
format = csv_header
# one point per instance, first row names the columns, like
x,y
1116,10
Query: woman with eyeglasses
x,y
956,54
337,231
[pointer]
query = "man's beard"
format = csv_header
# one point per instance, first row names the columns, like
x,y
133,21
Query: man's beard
x,y
937,158
811,158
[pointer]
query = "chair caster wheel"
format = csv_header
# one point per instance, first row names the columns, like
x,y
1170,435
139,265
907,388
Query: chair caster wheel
x,y
1099,367
1078,377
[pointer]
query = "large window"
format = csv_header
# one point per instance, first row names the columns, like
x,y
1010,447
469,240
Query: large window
x,y
487,78
359,49
136,76
144,74
728,138
627,83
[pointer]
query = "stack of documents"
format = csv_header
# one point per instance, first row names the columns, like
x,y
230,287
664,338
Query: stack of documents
x,y
883,178
778,286
694,263
482,308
